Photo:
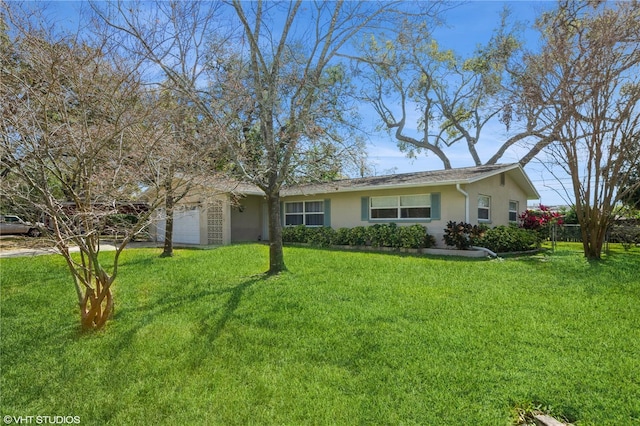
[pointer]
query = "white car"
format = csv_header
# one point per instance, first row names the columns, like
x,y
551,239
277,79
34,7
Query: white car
x,y
12,224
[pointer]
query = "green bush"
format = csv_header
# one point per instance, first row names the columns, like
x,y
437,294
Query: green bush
x,y
322,236
295,234
503,239
462,235
358,236
415,236
341,237
119,223
626,233
383,235
379,235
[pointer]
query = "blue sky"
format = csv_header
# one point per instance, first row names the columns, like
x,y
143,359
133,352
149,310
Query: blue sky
x,y
468,24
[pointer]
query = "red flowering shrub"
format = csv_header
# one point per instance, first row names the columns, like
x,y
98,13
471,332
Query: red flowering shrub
x,y
539,219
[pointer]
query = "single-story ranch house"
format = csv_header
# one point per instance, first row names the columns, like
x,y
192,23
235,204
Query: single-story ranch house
x,y
492,194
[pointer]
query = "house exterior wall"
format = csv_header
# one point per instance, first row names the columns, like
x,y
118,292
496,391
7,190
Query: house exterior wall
x,y
501,192
346,207
214,221
224,223
246,219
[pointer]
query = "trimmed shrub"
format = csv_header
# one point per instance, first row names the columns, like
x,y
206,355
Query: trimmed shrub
x,y
379,235
415,236
383,235
503,239
322,237
295,234
358,236
341,237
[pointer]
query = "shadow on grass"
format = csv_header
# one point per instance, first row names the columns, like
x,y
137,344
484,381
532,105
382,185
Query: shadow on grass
x,y
211,323
236,295
385,252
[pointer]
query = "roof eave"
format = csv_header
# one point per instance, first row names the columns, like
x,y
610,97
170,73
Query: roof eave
x,y
524,181
374,187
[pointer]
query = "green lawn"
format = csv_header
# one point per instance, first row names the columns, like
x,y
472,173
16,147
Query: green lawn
x,y
342,338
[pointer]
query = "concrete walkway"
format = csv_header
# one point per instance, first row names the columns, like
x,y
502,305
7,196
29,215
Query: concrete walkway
x,y
104,246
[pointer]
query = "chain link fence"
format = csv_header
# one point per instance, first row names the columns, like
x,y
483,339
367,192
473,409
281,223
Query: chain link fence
x,y
625,232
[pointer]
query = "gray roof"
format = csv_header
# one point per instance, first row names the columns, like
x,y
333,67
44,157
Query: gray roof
x,y
227,185
463,175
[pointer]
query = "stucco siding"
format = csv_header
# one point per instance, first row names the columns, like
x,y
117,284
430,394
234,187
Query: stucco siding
x,y
346,208
246,219
346,203
501,192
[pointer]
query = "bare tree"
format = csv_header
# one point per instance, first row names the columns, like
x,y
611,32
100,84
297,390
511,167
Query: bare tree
x,y
287,86
590,61
76,137
276,89
455,97
177,45
190,155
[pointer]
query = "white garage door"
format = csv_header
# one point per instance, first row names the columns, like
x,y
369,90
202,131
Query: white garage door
x,y
186,226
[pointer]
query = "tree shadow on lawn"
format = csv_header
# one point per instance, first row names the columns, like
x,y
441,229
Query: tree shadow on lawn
x,y
211,322
617,271
141,346
385,251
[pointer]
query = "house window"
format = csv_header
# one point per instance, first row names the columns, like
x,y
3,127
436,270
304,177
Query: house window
x,y
309,213
513,211
484,207
401,207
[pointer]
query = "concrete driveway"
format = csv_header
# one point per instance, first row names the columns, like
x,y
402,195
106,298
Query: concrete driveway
x,y
104,246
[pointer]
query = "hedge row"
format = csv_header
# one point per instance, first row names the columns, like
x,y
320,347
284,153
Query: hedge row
x,y
379,235
501,239
504,239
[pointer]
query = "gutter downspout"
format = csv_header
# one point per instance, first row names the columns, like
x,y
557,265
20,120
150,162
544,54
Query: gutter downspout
x,y
486,250
466,219
466,202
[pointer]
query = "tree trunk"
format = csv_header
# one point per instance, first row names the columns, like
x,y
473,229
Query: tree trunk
x,y
598,237
593,233
593,247
97,306
276,255
168,228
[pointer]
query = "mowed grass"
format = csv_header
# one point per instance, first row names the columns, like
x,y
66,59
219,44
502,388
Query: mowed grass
x,y
342,338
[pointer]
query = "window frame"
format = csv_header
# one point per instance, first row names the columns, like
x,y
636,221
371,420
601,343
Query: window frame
x,y
487,208
513,211
305,213
401,211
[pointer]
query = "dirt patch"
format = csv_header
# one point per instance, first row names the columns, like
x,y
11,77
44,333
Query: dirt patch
x,y
13,242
